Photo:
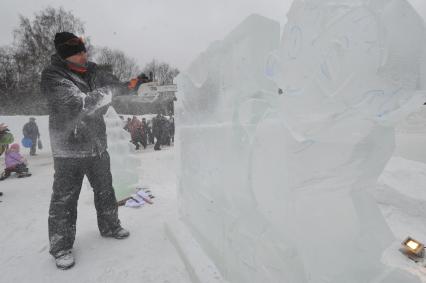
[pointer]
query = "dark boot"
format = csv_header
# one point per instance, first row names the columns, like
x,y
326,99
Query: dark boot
x,y
119,234
157,144
136,144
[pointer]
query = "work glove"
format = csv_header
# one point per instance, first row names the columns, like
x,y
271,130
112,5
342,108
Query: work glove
x,y
92,98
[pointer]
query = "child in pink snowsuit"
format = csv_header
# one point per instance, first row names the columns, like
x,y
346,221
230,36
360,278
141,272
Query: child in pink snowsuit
x,y
15,162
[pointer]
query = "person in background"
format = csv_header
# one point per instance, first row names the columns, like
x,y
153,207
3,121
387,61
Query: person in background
x,y
134,84
157,130
144,133
136,132
15,162
127,125
172,129
6,138
3,128
31,132
167,131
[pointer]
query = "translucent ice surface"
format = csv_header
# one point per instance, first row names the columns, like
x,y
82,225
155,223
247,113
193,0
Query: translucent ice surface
x,y
123,162
281,138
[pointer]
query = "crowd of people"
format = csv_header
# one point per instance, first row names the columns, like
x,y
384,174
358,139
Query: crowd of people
x,y
159,131
14,161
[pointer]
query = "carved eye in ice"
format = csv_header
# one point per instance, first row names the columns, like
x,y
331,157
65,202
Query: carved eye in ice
x,y
272,66
295,42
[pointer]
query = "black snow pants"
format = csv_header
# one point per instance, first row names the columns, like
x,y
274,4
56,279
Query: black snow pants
x,y
157,142
144,140
68,179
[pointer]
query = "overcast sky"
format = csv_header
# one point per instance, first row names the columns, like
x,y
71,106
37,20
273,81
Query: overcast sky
x,y
171,30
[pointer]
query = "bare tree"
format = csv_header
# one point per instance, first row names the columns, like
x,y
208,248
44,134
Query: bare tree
x,y
162,72
22,62
8,71
123,67
33,39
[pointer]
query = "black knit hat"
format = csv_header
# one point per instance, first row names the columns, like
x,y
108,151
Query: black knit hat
x,y
68,44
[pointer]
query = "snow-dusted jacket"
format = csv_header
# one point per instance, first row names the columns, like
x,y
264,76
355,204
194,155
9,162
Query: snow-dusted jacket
x,y
76,130
12,159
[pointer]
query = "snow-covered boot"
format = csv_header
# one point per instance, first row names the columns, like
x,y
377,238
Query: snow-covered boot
x,y
120,233
65,260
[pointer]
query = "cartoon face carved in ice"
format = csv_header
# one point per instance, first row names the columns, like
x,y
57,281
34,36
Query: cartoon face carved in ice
x,y
347,60
348,71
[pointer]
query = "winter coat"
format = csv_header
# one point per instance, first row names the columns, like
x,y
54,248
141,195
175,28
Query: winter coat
x,y
76,130
6,138
30,130
158,124
172,127
136,129
12,159
145,128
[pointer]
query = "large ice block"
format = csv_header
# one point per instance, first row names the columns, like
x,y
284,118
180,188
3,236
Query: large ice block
x,y
279,142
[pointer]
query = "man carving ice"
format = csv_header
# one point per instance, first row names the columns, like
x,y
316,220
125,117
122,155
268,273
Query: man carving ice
x,y
74,88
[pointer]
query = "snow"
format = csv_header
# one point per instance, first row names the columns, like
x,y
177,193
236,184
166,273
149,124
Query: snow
x,y
402,199
402,196
146,256
411,138
276,187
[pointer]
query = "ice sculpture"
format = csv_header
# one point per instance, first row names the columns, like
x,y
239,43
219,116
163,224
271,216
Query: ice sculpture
x,y
279,143
411,137
123,163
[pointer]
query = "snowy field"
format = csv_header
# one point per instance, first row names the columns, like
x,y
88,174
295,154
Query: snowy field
x,y
147,256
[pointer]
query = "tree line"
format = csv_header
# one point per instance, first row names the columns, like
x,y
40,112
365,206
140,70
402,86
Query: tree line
x,y
22,62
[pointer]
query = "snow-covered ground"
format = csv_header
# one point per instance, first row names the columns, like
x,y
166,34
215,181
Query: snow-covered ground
x,y
147,256
402,199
